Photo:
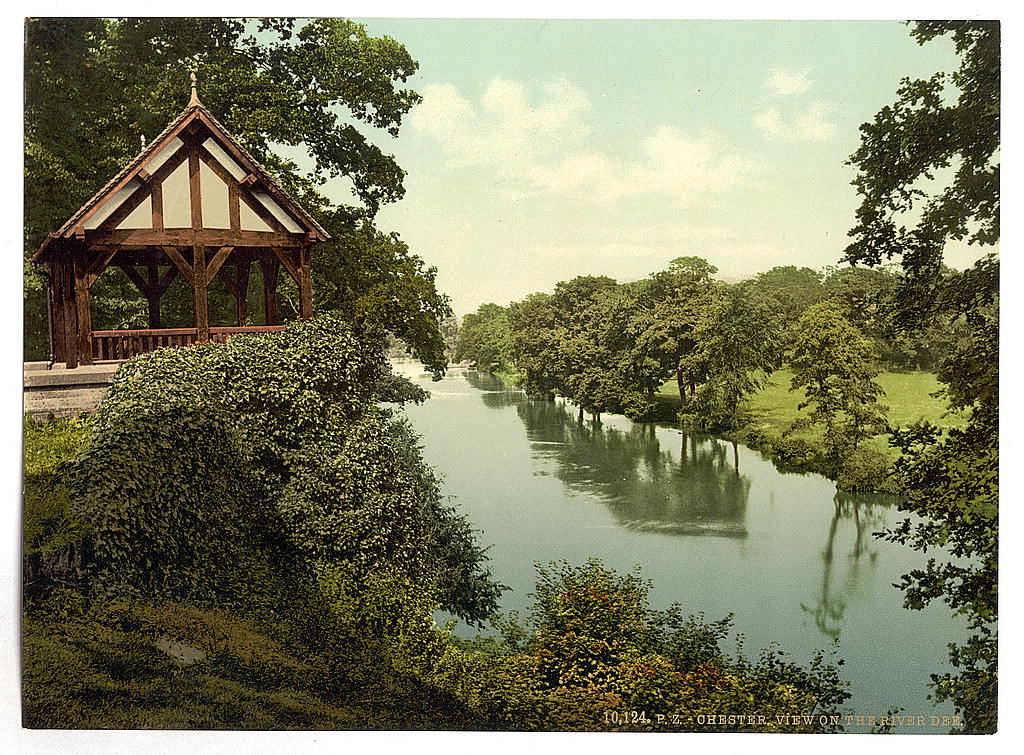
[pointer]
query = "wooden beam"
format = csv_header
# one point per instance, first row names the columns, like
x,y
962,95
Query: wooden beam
x,y
194,190
234,208
187,237
137,279
242,299
305,285
100,264
58,324
158,206
179,262
290,265
229,284
217,261
70,311
167,279
153,295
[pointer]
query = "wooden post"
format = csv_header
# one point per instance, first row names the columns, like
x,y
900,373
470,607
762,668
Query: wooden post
x,y
305,285
241,299
153,296
56,304
84,325
269,267
199,294
69,314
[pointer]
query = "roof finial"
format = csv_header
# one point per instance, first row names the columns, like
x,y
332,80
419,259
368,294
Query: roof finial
x,y
195,94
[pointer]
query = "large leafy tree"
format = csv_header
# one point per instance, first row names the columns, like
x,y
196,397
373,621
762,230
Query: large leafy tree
x,y
485,338
929,174
678,297
791,290
93,87
737,344
834,366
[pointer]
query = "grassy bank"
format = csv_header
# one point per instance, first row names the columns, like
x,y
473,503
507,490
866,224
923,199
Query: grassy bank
x,y
908,396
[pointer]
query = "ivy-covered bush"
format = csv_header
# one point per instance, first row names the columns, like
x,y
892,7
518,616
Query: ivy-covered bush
x,y
225,474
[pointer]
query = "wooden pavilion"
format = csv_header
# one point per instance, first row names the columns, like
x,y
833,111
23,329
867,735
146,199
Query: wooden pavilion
x,y
193,203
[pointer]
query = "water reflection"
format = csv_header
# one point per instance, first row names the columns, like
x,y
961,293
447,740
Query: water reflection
x,y
495,393
648,489
854,517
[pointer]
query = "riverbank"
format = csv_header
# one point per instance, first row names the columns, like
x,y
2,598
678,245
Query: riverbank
x,y
909,397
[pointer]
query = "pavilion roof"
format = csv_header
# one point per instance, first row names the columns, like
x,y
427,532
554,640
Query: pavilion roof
x,y
135,169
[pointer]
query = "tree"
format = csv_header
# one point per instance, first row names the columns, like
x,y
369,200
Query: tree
x,y
367,275
872,298
946,125
832,363
536,338
92,87
678,295
485,338
791,289
738,341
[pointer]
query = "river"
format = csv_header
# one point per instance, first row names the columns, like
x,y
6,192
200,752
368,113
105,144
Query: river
x,y
716,528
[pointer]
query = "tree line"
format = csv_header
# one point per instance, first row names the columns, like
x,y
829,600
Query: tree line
x,y
610,347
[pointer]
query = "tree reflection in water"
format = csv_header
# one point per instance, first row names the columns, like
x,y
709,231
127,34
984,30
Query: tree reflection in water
x,y
646,489
865,512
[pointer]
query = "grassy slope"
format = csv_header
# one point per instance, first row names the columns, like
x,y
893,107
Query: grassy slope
x,y
907,395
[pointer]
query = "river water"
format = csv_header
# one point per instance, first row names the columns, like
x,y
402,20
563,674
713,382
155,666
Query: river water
x,y
716,528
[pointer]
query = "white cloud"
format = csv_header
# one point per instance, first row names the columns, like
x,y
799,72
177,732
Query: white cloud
x,y
782,82
809,125
541,146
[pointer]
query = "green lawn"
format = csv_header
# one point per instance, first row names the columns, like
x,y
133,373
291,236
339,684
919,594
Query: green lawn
x,y
907,394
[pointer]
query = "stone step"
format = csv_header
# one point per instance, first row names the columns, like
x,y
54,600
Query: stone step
x,y
62,402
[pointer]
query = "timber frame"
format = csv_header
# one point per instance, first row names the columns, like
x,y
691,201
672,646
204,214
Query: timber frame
x,y
195,204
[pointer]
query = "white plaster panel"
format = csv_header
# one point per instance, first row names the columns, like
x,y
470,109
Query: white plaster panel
x,y
112,203
214,193
177,199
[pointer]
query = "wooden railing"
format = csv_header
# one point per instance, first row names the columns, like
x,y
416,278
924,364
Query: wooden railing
x,y
124,344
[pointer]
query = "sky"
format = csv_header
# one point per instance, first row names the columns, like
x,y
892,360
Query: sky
x,y
543,150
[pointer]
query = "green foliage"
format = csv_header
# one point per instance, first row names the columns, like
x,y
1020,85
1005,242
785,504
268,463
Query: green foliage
x,y
737,346
369,276
832,363
93,86
485,338
226,473
176,666
52,533
791,290
952,479
948,121
595,647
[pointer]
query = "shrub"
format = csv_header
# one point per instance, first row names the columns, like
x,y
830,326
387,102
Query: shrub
x,y
226,474
795,454
595,648
865,469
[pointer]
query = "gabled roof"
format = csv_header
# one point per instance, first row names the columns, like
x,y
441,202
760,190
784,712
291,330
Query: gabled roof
x,y
135,171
